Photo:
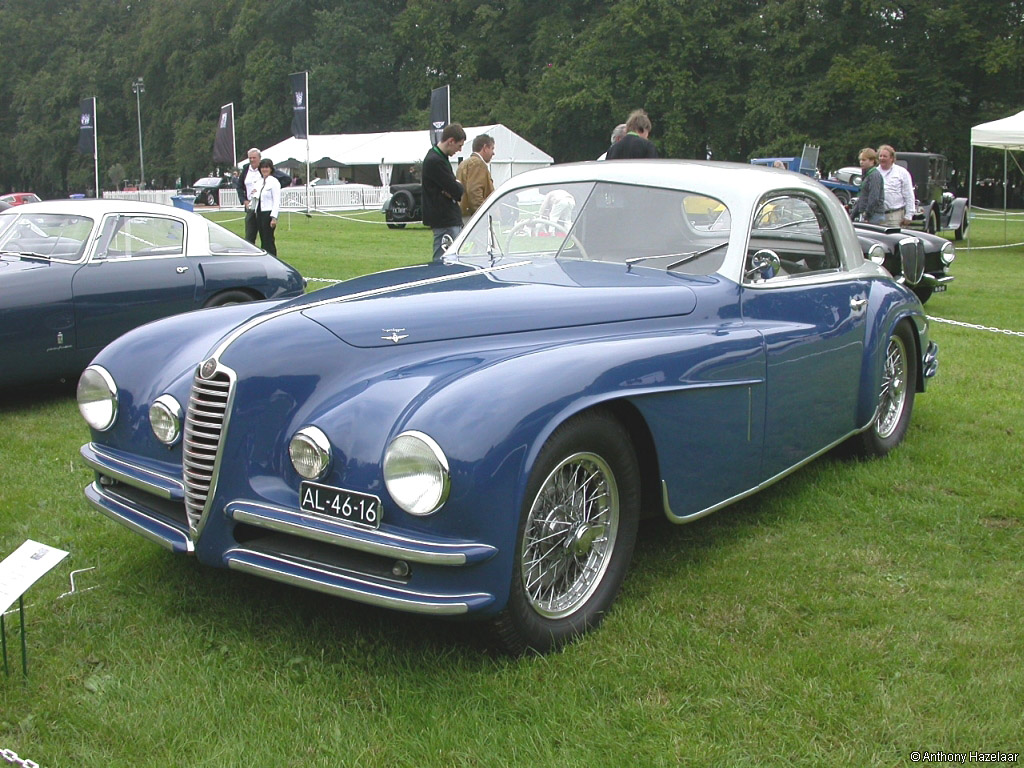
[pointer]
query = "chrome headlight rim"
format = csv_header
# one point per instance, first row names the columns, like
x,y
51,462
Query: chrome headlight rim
x,y
310,442
91,410
167,408
948,253
876,254
432,497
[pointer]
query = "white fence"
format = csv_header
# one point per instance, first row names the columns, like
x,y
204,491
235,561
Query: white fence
x,y
333,197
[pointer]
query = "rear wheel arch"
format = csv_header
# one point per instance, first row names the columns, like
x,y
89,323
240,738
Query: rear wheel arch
x,y
232,296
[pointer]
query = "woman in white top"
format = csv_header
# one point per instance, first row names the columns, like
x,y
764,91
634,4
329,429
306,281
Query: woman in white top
x,y
267,203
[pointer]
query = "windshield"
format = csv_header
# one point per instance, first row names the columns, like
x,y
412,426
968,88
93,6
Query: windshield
x,y
228,243
56,236
626,224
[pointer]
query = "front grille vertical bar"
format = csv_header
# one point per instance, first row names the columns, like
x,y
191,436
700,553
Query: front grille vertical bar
x,y
209,406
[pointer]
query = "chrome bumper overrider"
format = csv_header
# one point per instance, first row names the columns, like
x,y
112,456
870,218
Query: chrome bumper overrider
x,y
930,360
932,280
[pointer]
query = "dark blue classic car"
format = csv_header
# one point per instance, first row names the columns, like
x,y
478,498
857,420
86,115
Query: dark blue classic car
x,y
480,437
76,274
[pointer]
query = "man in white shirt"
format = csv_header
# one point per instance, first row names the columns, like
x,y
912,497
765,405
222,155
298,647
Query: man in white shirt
x,y
900,202
249,181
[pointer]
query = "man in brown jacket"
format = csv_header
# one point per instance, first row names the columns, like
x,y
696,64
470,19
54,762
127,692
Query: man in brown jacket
x,y
475,176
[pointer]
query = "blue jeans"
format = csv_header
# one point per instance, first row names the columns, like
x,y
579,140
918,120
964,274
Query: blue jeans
x,y
876,218
439,234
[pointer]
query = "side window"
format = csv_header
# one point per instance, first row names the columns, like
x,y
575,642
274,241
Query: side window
x,y
796,230
133,237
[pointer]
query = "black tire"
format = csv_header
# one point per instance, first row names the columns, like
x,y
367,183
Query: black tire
x,y
210,200
895,397
959,232
843,195
572,548
228,297
401,205
933,223
924,292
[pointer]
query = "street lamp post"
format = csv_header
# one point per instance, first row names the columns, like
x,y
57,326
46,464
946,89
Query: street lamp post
x,y
139,87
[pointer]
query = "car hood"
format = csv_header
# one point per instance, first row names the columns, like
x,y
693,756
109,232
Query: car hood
x,y
439,303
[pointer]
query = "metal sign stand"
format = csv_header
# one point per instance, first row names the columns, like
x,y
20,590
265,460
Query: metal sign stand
x,y
19,571
24,642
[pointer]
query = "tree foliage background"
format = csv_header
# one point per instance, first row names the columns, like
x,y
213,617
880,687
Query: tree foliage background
x,y
727,78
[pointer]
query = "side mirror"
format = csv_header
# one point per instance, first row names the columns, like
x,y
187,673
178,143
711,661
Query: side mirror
x,y
764,265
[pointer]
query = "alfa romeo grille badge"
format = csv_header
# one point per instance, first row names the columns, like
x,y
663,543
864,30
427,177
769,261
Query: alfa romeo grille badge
x,y
208,368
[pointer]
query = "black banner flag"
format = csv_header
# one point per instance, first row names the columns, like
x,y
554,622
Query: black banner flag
x,y
87,127
440,113
224,143
300,99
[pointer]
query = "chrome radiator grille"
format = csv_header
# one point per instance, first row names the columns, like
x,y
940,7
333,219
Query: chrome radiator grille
x,y
204,426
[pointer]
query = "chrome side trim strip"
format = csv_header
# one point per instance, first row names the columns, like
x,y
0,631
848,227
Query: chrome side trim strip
x,y
750,492
128,473
351,587
260,319
370,541
130,516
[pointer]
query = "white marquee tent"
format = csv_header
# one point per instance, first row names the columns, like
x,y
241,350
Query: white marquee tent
x,y
1006,134
373,157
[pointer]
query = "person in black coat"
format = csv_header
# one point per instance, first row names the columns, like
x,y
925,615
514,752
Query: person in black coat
x,y
441,191
635,143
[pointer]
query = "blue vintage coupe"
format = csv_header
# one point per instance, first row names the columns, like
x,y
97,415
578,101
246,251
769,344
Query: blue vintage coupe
x,y
76,274
480,437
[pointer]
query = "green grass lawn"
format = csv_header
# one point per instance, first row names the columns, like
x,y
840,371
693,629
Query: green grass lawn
x,y
851,614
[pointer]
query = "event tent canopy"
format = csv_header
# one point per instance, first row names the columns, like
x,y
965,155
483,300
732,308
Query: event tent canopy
x,y
373,156
1007,133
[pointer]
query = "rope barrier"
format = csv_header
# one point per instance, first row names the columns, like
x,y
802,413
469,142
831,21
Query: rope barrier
x,y
976,327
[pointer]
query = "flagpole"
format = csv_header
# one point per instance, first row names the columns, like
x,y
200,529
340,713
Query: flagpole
x,y
95,150
307,143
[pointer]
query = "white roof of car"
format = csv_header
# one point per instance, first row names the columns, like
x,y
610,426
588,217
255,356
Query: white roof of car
x,y
97,208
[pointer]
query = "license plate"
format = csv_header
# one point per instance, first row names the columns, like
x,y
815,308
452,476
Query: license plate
x,y
340,504
939,288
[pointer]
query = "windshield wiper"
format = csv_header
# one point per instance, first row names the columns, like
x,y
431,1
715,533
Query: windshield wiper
x,y
686,256
26,253
492,241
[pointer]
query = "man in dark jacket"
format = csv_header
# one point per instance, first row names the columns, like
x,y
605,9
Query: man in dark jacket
x,y
247,181
635,143
441,192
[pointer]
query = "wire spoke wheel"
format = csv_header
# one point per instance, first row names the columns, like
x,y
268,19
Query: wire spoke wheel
x,y
893,395
570,535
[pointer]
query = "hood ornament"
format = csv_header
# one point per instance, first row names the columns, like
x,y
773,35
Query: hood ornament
x,y
394,334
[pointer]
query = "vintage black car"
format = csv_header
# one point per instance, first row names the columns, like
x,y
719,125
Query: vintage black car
x,y
207,190
938,208
920,260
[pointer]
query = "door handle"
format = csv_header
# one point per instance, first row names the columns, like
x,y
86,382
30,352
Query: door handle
x,y
182,270
858,304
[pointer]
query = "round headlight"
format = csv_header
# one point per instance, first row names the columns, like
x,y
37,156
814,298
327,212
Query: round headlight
x,y
948,253
310,452
416,473
165,419
876,253
97,398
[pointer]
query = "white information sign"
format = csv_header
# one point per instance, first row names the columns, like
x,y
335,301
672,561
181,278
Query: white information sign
x,y
23,568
